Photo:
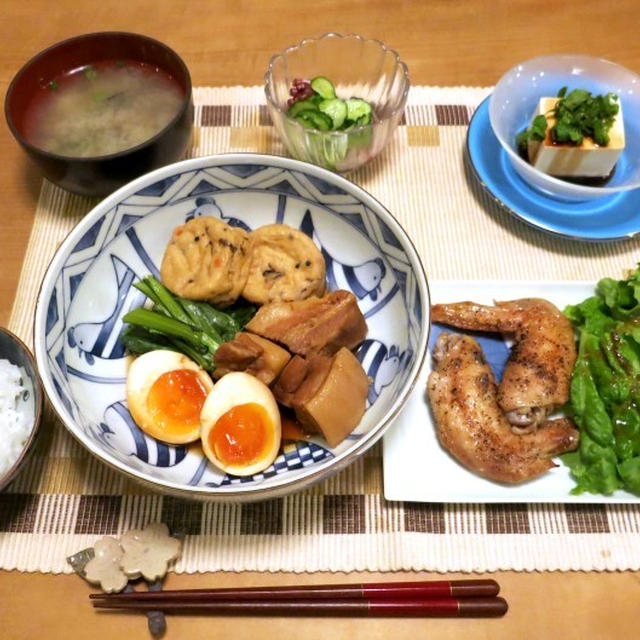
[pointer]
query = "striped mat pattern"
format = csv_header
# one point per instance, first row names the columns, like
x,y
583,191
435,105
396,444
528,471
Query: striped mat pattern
x,y
65,499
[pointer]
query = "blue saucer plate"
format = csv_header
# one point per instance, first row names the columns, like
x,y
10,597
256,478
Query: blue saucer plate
x,y
615,217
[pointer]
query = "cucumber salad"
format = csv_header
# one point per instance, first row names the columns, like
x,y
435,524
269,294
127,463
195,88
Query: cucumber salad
x,y
316,106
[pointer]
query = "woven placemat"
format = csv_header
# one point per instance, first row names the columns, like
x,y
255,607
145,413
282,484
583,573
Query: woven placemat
x,y
64,499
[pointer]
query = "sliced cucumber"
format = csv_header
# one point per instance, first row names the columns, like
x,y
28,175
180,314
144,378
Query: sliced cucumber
x,y
336,109
314,120
301,105
324,87
359,111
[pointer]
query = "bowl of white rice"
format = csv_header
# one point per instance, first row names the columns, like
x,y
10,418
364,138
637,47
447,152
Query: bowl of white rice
x,y
20,405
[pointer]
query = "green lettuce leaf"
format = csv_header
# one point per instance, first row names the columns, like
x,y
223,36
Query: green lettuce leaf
x,y
629,471
605,388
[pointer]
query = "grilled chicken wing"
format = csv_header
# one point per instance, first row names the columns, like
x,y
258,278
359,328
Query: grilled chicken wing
x,y
472,427
537,375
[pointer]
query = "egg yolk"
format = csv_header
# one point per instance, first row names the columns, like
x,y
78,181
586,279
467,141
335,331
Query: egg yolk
x,y
175,401
242,434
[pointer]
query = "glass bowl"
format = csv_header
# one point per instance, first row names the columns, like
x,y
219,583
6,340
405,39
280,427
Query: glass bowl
x,y
357,67
515,99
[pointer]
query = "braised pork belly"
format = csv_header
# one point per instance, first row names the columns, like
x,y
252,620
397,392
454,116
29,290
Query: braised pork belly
x,y
312,326
253,354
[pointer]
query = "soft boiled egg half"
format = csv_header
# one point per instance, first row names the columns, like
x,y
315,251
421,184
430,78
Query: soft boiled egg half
x,y
165,395
240,425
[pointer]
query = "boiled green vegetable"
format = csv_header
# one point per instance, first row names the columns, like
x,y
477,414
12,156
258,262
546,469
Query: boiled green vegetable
x,y
605,388
191,327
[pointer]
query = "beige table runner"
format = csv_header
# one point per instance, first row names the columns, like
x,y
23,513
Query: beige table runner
x,y
65,499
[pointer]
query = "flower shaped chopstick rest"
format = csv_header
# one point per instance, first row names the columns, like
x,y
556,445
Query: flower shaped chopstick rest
x,y
104,568
111,563
148,552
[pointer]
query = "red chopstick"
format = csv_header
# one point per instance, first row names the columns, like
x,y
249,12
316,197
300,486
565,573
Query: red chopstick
x,y
438,598
437,607
370,590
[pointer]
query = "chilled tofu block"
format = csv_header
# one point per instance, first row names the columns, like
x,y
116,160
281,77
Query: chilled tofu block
x,y
587,160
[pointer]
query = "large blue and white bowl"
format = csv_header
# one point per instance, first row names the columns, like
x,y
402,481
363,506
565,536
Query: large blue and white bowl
x,y
88,288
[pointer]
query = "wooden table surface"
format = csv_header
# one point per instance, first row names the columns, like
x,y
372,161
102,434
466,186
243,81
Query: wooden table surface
x,y
227,42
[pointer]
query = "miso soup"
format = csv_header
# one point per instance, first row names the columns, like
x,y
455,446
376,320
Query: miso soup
x,y
103,108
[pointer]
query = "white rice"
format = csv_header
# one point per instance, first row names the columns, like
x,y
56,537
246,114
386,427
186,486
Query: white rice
x,y
15,423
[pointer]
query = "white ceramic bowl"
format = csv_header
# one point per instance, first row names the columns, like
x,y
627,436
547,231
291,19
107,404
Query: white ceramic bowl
x,y
30,401
88,288
516,96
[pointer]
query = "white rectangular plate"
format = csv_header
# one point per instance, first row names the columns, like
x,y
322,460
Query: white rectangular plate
x,y
417,469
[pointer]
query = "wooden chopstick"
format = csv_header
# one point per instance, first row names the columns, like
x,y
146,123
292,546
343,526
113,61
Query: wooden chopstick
x,y
433,607
370,590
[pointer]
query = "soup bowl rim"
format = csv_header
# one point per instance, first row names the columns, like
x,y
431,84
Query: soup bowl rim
x,y
184,105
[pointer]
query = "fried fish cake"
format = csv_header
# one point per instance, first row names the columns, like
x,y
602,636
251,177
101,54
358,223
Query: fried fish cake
x,y
207,259
285,265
